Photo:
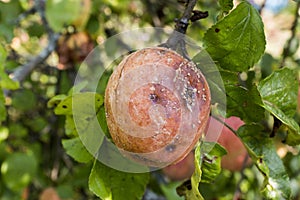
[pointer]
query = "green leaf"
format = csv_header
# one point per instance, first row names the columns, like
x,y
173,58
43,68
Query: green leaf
x,y
189,189
263,152
76,150
237,41
70,128
279,93
110,154
24,100
18,170
3,55
61,13
169,190
110,184
18,130
54,101
244,103
280,90
2,106
85,110
9,12
102,121
211,161
226,5
7,83
83,100
4,133
82,112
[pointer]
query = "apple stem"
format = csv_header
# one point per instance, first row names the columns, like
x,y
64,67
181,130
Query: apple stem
x,y
177,37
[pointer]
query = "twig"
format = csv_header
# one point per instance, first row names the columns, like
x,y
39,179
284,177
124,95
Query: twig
x,y
22,71
40,7
25,14
286,50
225,124
262,6
178,35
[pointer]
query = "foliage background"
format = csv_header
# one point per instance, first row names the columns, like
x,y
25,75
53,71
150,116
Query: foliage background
x,y
41,48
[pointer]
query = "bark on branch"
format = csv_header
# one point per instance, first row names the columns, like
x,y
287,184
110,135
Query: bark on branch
x,y
177,38
24,70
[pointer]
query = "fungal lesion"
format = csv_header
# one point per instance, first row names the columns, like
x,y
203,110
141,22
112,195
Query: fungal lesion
x,y
153,97
170,148
189,94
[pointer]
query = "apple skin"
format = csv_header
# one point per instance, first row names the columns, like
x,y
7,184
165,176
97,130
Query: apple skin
x,y
236,151
156,120
49,194
182,170
233,160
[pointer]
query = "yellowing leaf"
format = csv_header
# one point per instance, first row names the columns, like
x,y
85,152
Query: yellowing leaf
x,y
83,100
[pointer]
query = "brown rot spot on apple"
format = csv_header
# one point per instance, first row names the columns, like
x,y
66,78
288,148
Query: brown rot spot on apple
x,y
154,102
170,147
153,98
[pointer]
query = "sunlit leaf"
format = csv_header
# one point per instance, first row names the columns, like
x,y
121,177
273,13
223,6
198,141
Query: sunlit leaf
x,y
4,133
18,170
189,189
237,41
61,13
54,101
3,55
70,128
83,100
279,92
211,161
82,112
7,83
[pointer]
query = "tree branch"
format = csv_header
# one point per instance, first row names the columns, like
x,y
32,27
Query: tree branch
x,y
22,71
177,37
225,124
262,6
